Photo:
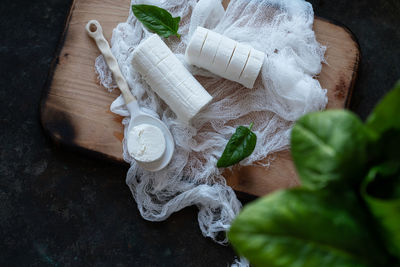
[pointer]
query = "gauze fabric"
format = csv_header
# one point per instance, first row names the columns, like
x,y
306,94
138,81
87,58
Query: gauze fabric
x,y
285,90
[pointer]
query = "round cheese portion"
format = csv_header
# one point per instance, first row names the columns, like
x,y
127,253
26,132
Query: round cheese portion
x,y
146,143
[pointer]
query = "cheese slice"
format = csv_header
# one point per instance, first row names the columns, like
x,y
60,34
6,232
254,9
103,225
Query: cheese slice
x,y
252,68
223,56
237,62
196,44
209,49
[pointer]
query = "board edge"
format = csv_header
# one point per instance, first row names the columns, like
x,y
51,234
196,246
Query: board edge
x,y
50,74
357,62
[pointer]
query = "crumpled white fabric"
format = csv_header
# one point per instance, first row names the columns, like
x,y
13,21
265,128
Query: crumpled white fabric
x,y
285,90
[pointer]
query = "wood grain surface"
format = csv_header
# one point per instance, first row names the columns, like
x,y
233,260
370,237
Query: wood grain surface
x,y
75,109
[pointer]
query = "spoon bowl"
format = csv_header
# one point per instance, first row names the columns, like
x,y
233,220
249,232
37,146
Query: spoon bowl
x,y
138,117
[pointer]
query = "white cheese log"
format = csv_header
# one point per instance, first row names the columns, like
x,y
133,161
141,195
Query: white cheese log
x,y
225,57
169,78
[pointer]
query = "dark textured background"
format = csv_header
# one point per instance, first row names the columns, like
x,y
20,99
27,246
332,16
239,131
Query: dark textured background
x,y
59,207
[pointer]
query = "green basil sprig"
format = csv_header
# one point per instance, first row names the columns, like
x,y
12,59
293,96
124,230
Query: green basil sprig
x,y
240,146
157,20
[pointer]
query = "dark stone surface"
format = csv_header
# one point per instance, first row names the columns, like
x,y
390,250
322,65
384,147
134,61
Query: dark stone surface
x,y
59,207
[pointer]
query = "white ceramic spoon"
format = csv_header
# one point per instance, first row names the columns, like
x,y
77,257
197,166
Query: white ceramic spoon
x,y
95,31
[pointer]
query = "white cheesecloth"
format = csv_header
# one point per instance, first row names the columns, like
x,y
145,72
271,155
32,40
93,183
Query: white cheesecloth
x,y
285,90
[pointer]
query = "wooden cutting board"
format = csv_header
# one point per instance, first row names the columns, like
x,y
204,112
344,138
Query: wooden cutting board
x,y
75,109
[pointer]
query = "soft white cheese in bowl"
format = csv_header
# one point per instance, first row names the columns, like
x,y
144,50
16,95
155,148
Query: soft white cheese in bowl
x,y
146,143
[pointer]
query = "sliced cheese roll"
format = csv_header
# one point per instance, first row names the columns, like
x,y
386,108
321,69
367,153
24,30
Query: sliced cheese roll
x,y
169,78
224,57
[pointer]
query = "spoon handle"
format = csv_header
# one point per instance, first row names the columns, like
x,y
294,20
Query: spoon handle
x,y
95,31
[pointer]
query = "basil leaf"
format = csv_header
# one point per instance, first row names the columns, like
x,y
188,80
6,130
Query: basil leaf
x,y
381,192
299,227
157,20
386,114
240,146
329,146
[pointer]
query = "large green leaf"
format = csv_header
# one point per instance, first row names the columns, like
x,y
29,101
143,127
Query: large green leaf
x,y
385,148
381,191
386,114
305,228
328,146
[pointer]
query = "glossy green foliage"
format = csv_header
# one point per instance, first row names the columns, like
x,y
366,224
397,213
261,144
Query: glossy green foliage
x,y
239,147
381,191
347,212
328,146
157,20
386,114
299,227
